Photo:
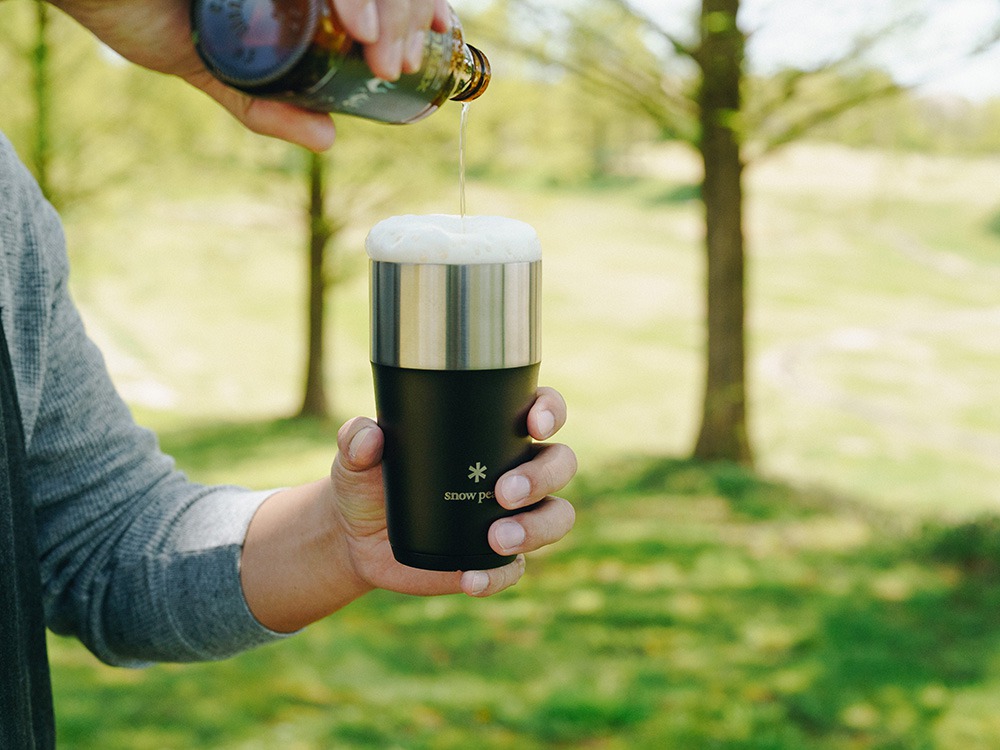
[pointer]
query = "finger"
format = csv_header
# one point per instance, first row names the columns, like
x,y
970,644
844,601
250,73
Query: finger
x,y
488,582
547,522
442,17
549,471
312,130
421,16
359,443
423,582
547,414
385,56
360,18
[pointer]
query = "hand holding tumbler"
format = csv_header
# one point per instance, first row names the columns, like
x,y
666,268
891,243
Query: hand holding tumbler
x,y
455,354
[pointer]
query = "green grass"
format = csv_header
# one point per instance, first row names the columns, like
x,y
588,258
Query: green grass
x,y
842,598
694,606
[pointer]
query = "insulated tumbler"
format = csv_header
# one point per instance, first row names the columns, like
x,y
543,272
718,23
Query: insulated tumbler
x,y
455,357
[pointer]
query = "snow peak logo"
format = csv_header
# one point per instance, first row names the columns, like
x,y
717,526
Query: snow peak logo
x,y
477,473
476,497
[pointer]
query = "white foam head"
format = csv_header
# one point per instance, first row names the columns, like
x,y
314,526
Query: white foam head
x,y
452,240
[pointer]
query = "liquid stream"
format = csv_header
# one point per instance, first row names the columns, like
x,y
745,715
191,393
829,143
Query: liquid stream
x,y
461,161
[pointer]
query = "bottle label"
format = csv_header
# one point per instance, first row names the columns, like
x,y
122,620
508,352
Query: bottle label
x,y
349,87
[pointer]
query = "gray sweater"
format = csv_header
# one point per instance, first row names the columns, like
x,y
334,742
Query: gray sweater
x,y
137,562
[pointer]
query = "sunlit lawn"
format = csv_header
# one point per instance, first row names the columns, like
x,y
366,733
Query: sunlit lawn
x,y
693,606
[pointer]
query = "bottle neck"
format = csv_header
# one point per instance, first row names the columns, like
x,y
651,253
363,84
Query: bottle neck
x,y
473,75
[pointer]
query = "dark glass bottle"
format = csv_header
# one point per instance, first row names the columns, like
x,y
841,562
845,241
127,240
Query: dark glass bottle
x,y
297,51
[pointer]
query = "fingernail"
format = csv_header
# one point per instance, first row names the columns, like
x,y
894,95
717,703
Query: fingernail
x,y
321,134
415,50
479,582
515,488
368,23
357,442
393,60
546,423
510,535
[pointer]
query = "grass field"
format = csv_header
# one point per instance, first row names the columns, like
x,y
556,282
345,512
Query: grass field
x,y
845,596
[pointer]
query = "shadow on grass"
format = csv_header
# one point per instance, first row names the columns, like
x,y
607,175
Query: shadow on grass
x,y
811,620
875,658
677,194
658,191
695,605
750,494
651,191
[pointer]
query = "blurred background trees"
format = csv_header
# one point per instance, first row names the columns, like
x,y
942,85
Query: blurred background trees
x,y
345,187
580,89
694,87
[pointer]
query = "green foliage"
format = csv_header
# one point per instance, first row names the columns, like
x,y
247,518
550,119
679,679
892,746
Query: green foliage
x,y
793,103
718,22
107,115
547,132
907,122
993,224
537,123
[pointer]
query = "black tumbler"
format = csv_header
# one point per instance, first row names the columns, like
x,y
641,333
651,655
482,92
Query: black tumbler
x,y
455,357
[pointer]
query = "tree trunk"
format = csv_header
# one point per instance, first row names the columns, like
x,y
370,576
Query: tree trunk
x,y
314,401
41,149
723,433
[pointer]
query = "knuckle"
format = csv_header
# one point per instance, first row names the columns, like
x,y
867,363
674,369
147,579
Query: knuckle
x,y
558,469
553,399
559,518
569,457
568,514
509,574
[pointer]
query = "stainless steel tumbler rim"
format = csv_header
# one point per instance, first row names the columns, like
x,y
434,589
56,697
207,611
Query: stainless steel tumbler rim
x,y
455,317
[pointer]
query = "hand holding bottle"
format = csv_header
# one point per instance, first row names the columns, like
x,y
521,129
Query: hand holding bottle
x,y
156,34
302,52
393,32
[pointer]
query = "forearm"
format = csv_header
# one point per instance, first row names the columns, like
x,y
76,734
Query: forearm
x,y
295,568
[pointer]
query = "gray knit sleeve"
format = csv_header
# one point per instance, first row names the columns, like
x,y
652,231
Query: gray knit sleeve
x,y
138,562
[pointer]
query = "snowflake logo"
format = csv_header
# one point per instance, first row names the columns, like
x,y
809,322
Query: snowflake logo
x,y
477,472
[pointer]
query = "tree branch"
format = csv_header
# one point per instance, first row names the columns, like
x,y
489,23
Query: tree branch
x,y
817,117
614,72
679,47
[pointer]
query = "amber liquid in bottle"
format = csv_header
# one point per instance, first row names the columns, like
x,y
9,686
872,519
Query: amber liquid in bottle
x,y
297,51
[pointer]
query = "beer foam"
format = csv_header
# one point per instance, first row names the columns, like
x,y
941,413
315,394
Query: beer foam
x,y
452,240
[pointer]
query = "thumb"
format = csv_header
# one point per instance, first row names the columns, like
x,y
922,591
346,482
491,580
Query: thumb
x,y
360,443
357,477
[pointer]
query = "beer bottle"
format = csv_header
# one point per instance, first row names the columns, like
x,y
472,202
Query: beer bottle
x,y
297,51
